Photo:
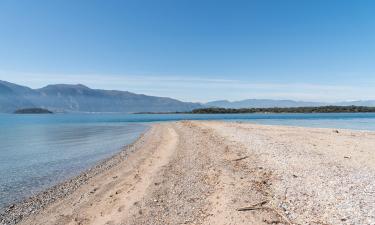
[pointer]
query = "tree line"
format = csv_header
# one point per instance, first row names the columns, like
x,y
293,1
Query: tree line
x,y
320,109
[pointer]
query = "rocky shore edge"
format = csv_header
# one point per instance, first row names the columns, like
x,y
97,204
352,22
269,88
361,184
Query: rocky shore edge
x,y
16,212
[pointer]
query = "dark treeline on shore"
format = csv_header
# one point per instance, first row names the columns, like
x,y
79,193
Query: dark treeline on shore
x,y
321,109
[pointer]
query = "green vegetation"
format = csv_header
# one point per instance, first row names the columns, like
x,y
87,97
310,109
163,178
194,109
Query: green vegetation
x,y
321,109
33,111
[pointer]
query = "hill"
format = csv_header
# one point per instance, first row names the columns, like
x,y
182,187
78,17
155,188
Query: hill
x,y
270,103
261,103
79,98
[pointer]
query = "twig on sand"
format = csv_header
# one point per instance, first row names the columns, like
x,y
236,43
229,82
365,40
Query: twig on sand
x,y
254,207
250,208
259,206
245,157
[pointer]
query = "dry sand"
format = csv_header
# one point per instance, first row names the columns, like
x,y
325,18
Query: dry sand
x,y
229,173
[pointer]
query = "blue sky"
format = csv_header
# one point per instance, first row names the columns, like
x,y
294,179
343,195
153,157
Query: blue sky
x,y
194,50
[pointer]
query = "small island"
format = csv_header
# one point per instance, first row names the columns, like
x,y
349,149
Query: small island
x,y
33,111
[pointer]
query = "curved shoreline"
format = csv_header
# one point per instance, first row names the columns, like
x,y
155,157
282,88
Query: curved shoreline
x,y
16,212
211,172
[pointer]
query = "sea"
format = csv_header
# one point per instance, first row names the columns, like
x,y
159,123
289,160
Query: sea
x,y
39,151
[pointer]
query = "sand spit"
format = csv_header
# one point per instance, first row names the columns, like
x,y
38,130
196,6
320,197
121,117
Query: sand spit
x,y
223,173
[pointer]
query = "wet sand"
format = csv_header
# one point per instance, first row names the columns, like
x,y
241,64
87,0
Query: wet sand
x,y
222,173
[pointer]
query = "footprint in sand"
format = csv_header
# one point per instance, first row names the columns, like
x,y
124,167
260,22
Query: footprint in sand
x,y
121,208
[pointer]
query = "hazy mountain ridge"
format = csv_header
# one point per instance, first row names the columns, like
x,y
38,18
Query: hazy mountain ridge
x,y
262,103
358,103
12,97
79,98
269,103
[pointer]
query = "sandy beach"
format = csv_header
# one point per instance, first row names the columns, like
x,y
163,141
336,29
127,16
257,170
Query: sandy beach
x,y
207,172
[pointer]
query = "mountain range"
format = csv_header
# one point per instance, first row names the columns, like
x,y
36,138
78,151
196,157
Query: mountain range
x,y
79,98
269,103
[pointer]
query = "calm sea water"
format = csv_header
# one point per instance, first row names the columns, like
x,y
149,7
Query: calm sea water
x,y
38,151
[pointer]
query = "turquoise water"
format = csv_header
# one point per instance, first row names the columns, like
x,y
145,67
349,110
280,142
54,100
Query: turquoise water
x,y
38,151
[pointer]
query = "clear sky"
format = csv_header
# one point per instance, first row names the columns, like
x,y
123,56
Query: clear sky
x,y
195,50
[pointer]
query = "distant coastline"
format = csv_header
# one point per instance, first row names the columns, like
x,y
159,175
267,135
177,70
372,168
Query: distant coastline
x,y
320,109
78,98
219,110
275,110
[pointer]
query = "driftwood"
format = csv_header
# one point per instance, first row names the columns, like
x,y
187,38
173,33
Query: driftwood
x,y
245,157
259,206
254,207
250,208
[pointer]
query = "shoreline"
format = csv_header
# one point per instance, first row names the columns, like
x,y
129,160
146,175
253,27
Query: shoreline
x,y
15,212
214,172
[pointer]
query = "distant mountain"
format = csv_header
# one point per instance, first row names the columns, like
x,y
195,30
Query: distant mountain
x,y
262,103
12,97
357,103
269,103
79,98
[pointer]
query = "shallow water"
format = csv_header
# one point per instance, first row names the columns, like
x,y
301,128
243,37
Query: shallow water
x,y
38,151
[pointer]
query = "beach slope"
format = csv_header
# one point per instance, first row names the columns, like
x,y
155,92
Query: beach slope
x,y
194,172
